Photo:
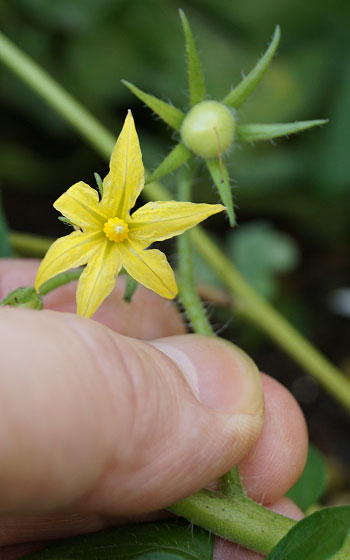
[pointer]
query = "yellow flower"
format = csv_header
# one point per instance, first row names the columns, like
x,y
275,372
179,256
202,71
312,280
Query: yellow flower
x,y
109,238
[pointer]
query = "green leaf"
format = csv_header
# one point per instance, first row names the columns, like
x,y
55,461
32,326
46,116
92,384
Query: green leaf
x,y
317,537
261,253
195,75
255,132
173,540
178,155
240,93
311,484
170,114
5,245
219,174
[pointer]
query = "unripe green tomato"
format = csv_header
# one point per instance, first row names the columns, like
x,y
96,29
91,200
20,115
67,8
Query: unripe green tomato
x,y
208,129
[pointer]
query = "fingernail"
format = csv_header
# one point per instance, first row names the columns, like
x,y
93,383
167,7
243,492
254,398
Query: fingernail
x,y
220,375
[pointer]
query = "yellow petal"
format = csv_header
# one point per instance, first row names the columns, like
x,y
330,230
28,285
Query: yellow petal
x,y
98,278
80,204
157,221
125,179
150,268
68,252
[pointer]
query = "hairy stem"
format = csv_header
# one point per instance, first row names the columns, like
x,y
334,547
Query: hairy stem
x,y
185,277
241,520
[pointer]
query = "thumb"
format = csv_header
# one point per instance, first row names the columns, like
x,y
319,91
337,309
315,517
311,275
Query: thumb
x,y
98,421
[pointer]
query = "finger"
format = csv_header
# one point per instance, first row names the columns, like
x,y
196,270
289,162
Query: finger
x,y
278,458
225,550
37,528
52,526
58,526
147,316
114,425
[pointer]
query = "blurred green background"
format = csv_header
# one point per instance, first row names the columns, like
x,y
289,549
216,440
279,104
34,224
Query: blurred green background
x,y
292,195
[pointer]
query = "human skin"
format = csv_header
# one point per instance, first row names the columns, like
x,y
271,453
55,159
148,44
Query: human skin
x,y
114,418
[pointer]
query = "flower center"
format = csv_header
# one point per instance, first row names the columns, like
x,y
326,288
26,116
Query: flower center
x,y
116,229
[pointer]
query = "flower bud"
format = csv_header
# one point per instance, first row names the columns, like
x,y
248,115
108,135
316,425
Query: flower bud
x,y
208,129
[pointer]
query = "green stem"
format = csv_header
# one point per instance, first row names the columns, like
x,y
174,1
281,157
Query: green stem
x,y
241,520
251,305
60,280
185,276
56,96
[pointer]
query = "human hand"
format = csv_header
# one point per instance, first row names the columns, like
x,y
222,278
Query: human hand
x,y
98,428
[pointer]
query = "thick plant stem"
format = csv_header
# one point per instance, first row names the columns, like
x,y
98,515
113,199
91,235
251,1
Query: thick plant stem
x,y
242,521
249,303
185,277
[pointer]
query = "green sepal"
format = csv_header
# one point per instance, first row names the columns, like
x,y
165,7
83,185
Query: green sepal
x,y
170,114
256,132
99,183
25,296
219,174
65,220
240,93
130,287
178,155
194,69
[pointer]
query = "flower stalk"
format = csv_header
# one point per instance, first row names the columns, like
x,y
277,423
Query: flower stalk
x,y
60,280
185,277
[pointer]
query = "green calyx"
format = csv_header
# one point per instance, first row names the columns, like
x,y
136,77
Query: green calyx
x,y
25,296
208,129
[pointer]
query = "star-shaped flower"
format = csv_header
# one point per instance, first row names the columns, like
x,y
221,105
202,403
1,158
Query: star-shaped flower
x,y
109,238
210,127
